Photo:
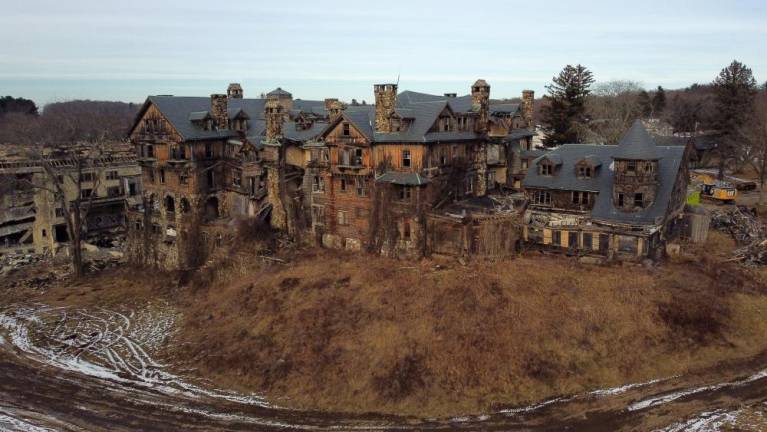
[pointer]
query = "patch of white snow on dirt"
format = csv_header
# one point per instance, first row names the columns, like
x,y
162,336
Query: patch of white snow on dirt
x,y
106,344
705,422
8,423
670,397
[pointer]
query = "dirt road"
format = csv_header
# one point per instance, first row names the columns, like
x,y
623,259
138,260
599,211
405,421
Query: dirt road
x,y
75,370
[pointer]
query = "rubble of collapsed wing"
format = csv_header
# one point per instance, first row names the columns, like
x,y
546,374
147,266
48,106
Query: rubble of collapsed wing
x,y
747,230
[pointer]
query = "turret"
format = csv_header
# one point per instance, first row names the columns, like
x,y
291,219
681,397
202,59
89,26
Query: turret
x,y
635,183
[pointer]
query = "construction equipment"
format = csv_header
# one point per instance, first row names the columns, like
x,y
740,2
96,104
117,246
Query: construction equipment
x,y
712,189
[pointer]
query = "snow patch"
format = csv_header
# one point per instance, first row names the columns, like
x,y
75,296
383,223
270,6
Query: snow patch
x,y
8,423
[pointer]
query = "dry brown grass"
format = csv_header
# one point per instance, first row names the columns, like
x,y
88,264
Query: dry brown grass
x,y
360,333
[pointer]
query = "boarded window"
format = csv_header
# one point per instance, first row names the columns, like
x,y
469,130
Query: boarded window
x,y
343,217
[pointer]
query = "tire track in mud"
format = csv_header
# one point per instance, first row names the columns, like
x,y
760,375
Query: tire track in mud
x,y
69,369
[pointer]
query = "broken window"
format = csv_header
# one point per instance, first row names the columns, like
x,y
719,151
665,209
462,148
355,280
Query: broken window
x,y
648,167
149,151
557,238
59,212
114,191
587,240
346,129
362,188
208,151
170,204
639,200
580,197
185,207
183,178
584,171
620,200
86,193
405,193
86,177
542,198
113,175
237,177
469,185
631,166
343,185
162,175
406,230
318,215
318,184
357,157
406,158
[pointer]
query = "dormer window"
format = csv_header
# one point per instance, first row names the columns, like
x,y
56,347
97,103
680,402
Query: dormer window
x,y
546,169
584,171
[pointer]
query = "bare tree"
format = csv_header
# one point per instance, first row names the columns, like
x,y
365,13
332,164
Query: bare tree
x,y
612,107
754,137
69,147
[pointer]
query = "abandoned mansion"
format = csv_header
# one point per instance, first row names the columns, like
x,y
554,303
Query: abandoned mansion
x,y
413,174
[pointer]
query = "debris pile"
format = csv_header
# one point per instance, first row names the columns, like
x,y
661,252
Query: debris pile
x,y
747,231
14,261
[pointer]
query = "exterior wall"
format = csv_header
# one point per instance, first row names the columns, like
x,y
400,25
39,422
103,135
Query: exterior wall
x,y
106,211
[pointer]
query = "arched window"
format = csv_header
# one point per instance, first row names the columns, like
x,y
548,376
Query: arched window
x,y
170,204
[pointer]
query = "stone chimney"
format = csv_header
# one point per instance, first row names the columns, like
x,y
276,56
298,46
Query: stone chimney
x,y
528,99
480,101
234,91
218,107
274,116
386,99
334,108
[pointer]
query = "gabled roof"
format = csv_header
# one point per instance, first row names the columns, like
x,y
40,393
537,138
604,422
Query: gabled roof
x,y
183,111
636,144
601,181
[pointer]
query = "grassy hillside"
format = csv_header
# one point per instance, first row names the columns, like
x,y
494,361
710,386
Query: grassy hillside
x,y
358,333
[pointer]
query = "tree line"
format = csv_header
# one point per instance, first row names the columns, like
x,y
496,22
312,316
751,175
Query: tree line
x,y
732,106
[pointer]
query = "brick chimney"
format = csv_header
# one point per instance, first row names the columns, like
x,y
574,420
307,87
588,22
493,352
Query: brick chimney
x,y
480,104
218,107
386,99
234,91
334,108
274,116
528,100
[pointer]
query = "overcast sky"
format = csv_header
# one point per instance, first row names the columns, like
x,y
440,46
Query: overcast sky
x,y
104,49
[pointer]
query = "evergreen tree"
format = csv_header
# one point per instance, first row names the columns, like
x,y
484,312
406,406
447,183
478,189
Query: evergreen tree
x,y
645,104
565,115
9,104
735,93
659,102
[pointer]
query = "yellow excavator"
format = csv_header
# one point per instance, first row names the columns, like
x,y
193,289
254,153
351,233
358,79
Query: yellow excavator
x,y
715,190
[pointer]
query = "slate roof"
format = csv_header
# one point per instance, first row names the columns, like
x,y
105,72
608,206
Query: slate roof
x,y
636,144
181,111
422,110
402,178
601,182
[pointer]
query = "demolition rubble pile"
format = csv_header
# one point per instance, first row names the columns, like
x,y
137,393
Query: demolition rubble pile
x,y
747,231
